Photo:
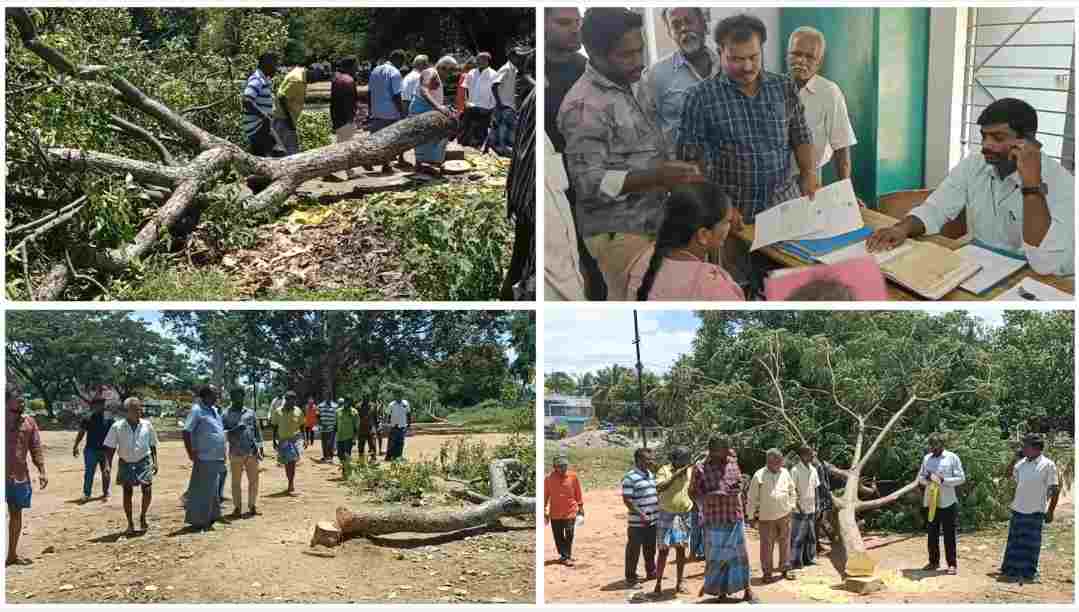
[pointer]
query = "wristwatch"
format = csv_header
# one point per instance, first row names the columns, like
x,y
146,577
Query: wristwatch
x,y
1042,189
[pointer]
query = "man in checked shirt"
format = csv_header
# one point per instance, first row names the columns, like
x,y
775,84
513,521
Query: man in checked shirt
x,y
743,125
717,487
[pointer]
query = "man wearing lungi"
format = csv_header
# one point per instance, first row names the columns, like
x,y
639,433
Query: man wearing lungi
x,y
803,525
135,441
204,439
672,483
1036,483
717,487
287,423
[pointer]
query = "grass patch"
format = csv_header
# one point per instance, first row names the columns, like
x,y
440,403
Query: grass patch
x,y
494,415
180,284
597,468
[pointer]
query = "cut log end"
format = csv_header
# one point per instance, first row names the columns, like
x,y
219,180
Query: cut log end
x,y
326,534
863,585
861,564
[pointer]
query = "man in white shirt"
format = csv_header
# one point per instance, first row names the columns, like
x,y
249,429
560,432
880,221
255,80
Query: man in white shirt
x,y
1017,198
803,525
825,105
135,441
772,498
480,102
942,468
411,82
400,419
1036,484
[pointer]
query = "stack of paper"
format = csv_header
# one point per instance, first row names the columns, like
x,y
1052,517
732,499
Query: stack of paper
x,y
996,266
832,212
858,249
928,269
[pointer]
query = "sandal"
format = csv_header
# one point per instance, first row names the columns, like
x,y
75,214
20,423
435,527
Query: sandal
x,y
19,561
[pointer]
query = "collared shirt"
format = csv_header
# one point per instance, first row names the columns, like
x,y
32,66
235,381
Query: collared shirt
x,y
561,261
399,413
827,118
676,497
663,87
506,78
23,437
608,135
723,508
294,90
409,84
1033,479
479,84
806,483
745,143
383,84
995,211
771,494
288,421
207,433
96,426
563,493
260,90
348,420
343,98
951,471
640,487
132,444
327,416
559,78
245,435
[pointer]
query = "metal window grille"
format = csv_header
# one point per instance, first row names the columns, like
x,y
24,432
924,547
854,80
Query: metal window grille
x,y
1025,53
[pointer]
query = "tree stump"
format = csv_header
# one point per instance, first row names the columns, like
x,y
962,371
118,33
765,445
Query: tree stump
x,y
326,534
864,585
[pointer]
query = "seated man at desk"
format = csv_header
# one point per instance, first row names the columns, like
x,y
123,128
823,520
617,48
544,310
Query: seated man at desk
x,y
1017,198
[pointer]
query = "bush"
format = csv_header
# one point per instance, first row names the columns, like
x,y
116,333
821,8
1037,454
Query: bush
x,y
397,482
315,130
469,461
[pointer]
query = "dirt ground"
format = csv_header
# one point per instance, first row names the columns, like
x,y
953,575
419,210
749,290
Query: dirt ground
x,y
599,547
81,556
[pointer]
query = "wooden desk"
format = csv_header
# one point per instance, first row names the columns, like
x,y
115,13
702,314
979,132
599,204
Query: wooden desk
x,y
876,220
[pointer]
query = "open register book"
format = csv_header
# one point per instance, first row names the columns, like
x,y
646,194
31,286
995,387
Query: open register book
x,y
928,269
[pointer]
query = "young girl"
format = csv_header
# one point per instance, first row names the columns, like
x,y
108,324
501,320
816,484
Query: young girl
x,y
697,221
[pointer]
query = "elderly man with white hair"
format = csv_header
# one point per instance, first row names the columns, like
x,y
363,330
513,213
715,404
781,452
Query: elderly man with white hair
x,y
431,96
825,105
772,499
134,440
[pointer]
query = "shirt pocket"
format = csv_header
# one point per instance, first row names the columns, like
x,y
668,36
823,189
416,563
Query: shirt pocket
x,y
670,107
775,123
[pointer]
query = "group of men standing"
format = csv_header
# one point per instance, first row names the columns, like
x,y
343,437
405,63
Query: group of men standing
x,y
133,440
623,135
270,116
706,506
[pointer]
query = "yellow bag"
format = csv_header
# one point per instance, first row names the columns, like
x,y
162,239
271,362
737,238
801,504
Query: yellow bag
x,y
934,499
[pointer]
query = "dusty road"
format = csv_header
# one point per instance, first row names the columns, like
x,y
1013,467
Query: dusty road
x,y
81,556
600,543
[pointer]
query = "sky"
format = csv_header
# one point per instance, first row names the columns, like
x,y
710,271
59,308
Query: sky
x,y
586,339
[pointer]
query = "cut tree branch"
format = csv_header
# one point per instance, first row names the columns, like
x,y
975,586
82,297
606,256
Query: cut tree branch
x,y
880,502
144,134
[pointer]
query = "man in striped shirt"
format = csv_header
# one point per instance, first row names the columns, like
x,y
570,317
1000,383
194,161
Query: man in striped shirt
x,y
258,106
639,496
327,426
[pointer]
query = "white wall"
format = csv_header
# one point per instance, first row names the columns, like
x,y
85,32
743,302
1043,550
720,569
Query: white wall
x,y
943,115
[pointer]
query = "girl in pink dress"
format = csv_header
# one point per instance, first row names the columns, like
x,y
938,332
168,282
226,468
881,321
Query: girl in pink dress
x,y
697,221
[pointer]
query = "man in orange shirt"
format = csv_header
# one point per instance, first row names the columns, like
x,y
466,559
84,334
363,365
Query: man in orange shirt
x,y
562,492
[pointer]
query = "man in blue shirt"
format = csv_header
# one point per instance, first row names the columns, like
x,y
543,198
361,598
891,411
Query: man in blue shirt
x,y
327,427
245,450
204,439
258,107
387,106
95,427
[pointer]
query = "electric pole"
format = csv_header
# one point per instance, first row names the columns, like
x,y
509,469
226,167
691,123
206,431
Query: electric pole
x,y
640,383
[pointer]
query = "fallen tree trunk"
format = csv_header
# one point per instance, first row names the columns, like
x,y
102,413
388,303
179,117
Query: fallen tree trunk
x,y
393,520
216,156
